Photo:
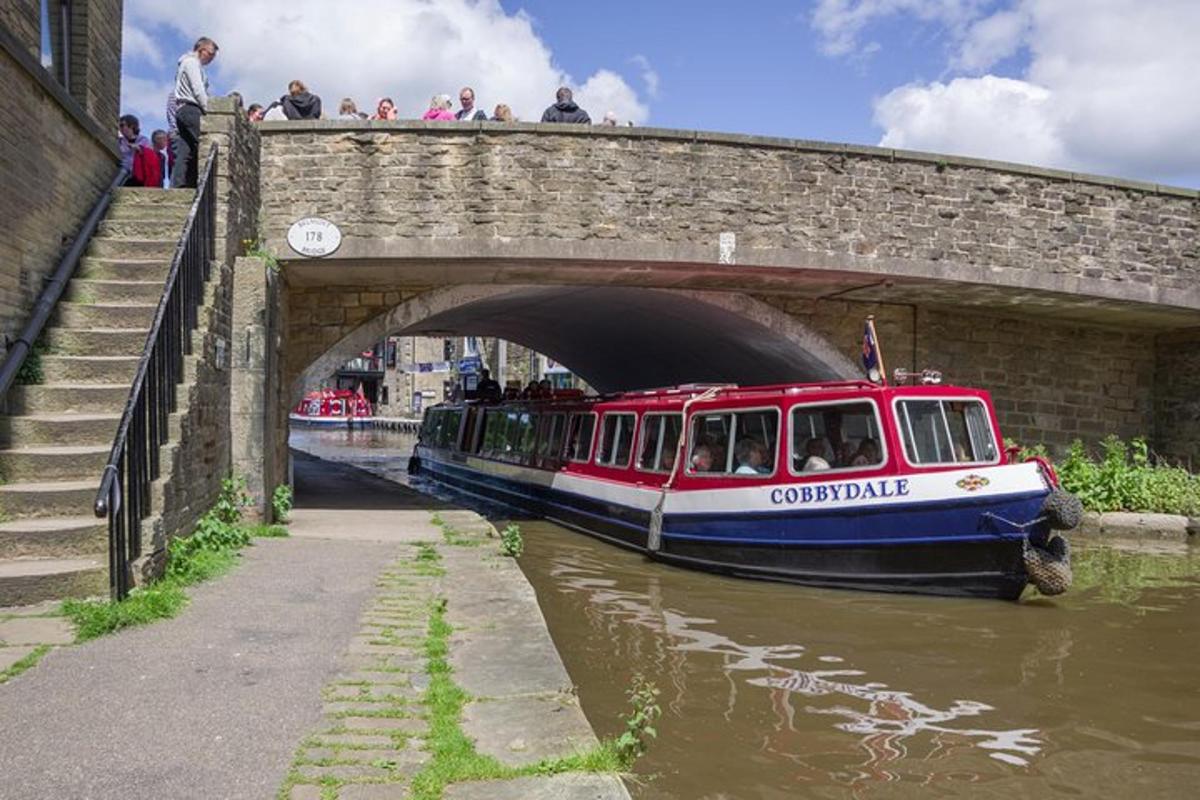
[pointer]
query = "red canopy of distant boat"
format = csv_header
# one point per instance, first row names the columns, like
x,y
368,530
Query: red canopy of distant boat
x,y
333,403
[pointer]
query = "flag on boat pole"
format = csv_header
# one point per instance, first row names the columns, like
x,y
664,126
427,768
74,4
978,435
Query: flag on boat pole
x,y
872,355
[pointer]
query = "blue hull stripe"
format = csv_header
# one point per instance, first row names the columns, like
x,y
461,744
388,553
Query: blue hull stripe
x,y
897,525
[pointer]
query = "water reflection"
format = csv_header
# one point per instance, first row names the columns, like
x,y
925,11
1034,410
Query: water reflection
x,y
773,691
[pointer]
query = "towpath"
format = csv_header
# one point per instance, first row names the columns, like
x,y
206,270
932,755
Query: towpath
x,y
304,670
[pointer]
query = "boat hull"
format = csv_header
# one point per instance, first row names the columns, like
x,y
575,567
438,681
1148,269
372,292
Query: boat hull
x,y
943,548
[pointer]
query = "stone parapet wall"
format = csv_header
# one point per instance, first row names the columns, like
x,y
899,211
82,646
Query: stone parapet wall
x,y
225,125
400,182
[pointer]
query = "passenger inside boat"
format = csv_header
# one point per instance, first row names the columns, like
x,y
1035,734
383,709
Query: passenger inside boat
x,y
815,450
702,459
867,454
752,458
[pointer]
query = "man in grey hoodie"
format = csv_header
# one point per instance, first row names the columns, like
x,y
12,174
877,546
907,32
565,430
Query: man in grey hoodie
x,y
565,109
191,98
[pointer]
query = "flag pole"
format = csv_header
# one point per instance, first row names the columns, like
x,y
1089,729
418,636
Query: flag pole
x,y
874,338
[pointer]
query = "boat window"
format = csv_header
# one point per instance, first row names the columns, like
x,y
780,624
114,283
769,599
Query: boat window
x,y
551,436
616,439
447,435
660,440
946,432
836,436
579,437
528,423
734,443
493,432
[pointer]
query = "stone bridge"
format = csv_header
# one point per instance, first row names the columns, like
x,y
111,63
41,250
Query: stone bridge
x,y
642,257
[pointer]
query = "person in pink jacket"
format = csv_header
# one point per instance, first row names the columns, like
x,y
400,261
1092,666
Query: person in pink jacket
x,y
439,108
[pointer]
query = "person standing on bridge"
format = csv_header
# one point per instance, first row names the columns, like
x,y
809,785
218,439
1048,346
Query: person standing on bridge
x,y
191,97
468,112
565,110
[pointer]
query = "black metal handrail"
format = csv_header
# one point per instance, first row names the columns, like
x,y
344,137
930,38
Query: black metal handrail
x,y
133,463
52,291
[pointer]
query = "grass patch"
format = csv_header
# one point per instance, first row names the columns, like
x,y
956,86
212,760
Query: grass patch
x,y
25,663
210,551
454,756
265,531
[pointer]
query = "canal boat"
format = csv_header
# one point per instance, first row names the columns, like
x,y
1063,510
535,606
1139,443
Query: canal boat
x,y
849,484
331,408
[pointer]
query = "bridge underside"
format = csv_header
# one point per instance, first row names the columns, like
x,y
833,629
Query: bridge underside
x,y
620,338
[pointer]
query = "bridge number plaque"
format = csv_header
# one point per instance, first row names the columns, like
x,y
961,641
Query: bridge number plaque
x,y
314,237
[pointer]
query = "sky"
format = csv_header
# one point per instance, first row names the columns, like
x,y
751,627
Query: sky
x,y
1108,87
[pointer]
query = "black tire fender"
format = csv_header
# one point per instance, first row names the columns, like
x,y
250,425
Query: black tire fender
x,y
1062,510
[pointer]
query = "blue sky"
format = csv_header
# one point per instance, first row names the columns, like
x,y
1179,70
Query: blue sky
x,y
1105,86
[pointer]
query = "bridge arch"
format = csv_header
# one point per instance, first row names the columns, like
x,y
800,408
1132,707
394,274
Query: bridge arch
x,y
615,338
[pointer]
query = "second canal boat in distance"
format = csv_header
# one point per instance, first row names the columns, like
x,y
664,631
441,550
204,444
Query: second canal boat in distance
x,y
841,484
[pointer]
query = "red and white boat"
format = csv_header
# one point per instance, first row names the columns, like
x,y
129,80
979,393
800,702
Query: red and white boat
x,y
332,408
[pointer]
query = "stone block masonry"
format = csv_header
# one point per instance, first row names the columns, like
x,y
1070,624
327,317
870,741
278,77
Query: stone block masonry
x,y
57,144
1051,382
858,206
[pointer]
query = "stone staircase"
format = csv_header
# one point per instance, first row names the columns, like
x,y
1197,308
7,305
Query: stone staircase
x,y
56,437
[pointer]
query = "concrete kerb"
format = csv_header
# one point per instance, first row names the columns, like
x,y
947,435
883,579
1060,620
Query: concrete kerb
x,y
1138,526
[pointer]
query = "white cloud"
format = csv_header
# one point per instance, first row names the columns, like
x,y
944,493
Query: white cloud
x,y
606,91
841,23
649,74
146,100
136,44
404,49
1001,118
1109,87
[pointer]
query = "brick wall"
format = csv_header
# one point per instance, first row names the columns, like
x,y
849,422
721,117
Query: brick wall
x,y
55,158
22,19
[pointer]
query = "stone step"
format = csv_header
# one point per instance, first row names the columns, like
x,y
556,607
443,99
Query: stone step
x,y
96,341
84,398
105,315
170,214
140,249
36,430
89,369
142,196
25,581
54,537
66,463
118,269
161,226
36,499
89,291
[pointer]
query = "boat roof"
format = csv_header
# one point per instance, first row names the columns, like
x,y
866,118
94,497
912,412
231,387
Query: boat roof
x,y
727,392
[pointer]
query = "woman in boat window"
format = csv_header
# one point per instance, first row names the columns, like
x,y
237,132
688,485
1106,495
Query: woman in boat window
x,y
751,455
815,450
867,455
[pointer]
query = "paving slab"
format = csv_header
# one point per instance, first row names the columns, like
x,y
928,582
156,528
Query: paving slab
x,y
11,655
109,718
391,525
525,730
557,787
36,630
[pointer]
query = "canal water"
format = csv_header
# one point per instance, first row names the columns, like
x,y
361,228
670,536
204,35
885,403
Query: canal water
x,y
777,691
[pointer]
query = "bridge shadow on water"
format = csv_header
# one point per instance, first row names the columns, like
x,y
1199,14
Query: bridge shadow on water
x,y
330,485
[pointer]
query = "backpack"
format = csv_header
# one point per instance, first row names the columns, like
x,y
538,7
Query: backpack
x,y
147,168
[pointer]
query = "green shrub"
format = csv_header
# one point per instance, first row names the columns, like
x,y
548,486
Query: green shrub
x,y
511,543
1125,478
639,725
282,502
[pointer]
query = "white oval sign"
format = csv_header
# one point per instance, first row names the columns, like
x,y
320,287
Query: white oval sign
x,y
314,237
